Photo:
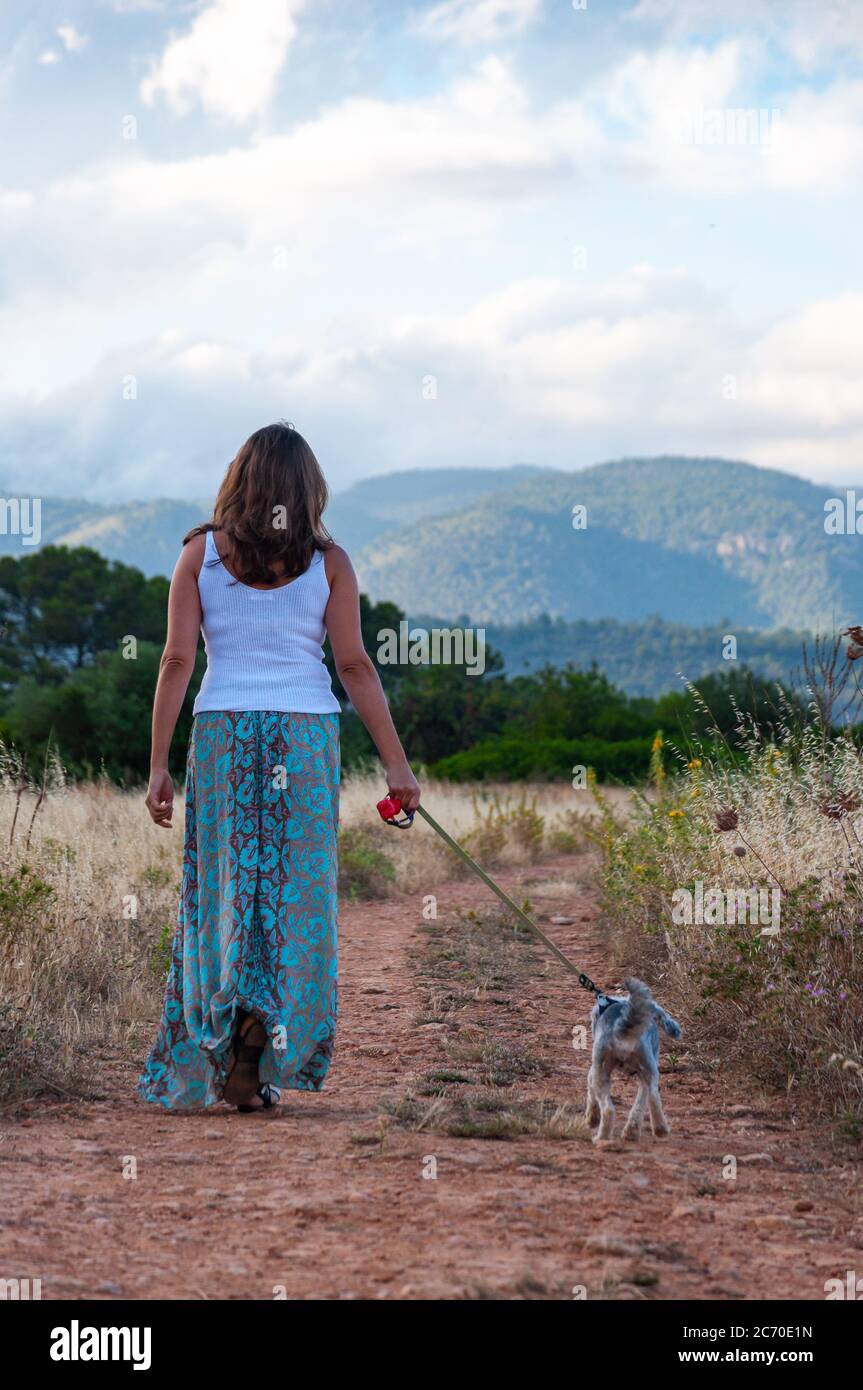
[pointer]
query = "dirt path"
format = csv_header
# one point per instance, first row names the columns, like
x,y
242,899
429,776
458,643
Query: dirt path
x,y
231,1206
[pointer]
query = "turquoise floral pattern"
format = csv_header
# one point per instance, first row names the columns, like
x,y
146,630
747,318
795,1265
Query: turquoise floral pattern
x,y
257,921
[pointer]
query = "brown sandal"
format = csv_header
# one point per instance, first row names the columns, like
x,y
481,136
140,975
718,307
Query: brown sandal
x,y
250,1039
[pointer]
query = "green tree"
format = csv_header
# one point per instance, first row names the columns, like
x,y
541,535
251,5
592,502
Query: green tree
x,y
61,607
731,701
99,717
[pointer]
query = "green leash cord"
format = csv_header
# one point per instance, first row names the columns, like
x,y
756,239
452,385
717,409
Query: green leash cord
x,y
584,980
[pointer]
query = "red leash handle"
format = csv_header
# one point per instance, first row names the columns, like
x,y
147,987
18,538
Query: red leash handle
x,y
389,809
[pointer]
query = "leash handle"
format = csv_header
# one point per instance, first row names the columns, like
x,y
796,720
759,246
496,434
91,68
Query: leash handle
x,y
390,808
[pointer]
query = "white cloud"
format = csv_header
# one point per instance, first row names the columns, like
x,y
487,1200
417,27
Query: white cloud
x,y
15,199
819,140
368,188
379,208
209,362
693,119
477,21
464,149
72,41
547,369
372,188
419,171
812,34
229,60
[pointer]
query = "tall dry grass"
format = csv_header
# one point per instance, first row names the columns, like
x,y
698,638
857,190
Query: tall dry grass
x,y
786,1005
499,825
88,897
89,890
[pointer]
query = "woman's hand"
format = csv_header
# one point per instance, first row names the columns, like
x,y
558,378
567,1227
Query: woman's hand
x,y
160,797
359,676
402,783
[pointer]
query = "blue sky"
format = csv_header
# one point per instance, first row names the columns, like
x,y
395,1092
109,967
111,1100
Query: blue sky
x,y
467,232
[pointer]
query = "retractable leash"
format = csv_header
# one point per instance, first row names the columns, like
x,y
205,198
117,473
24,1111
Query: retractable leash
x,y
391,808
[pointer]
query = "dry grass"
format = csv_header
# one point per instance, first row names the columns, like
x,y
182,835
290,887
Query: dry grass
x,y
460,963
85,906
481,1115
499,825
787,1008
88,903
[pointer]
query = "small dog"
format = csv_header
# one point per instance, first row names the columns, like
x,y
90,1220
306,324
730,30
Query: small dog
x,y
626,1035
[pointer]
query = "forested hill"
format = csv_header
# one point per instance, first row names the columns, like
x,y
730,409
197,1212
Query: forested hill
x,y
649,657
148,535
693,541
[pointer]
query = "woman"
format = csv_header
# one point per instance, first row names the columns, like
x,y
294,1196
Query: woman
x,y
250,1005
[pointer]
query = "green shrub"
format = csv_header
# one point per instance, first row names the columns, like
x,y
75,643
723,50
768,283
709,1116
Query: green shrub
x,y
160,956
498,822
23,895
515,758
364,871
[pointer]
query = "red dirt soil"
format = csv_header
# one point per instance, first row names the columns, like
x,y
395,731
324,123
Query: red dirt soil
x,y
233,1206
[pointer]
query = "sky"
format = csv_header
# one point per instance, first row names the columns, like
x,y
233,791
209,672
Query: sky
x,y
462,233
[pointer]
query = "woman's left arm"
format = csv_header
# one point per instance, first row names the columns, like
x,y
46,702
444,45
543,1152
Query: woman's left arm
x,y
175,672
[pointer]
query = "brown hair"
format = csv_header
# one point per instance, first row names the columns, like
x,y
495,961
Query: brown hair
x,y
269,507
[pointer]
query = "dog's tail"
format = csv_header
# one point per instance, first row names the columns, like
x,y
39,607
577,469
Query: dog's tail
x,y
640,1009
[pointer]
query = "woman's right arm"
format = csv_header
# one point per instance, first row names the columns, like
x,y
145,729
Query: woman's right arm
x,y
175,672
359,676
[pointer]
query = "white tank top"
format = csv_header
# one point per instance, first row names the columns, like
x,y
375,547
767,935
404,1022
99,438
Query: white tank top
x,y
264,646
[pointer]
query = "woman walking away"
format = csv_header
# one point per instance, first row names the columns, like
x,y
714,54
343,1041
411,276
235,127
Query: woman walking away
x,y
250,1005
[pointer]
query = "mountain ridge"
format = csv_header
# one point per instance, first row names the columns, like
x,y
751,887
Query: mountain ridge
x,y
690,539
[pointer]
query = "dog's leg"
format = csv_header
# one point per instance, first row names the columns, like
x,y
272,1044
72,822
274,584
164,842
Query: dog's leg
x,y
635,1119
657,1115
591,1113
606,1107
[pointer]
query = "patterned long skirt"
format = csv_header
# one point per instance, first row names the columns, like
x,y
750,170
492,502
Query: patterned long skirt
x,y
257,925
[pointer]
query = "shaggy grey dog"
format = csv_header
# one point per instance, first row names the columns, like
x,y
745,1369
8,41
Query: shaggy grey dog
x,y
626,1035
